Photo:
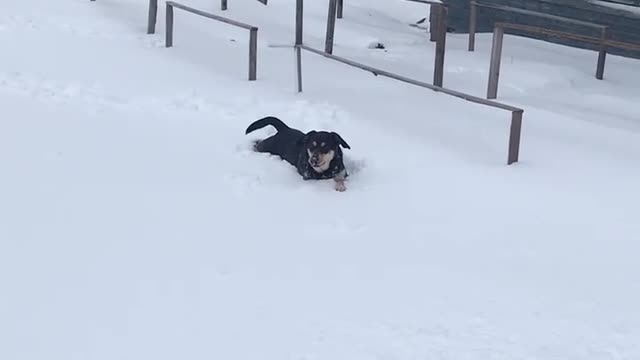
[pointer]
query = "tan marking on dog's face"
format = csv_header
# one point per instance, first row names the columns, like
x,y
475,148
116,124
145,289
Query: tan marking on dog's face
x,y
323,161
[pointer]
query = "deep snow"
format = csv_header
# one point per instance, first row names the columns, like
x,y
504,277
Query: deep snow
x,y
135,223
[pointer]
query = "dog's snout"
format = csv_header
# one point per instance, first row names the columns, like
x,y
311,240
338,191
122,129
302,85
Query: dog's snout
x,y
314,160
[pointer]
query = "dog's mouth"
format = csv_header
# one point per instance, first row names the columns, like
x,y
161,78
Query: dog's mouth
x,y
317,165
320,161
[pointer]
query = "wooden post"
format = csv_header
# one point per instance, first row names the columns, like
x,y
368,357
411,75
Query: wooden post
x,y
223,5
514,137
299,67
473,23
299,36
331,26
340,8
434,22
602,56
253,53
438,69
299,20
153,14
496,56
169,29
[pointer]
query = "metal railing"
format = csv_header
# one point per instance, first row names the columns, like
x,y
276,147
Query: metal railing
x,y
473,18
516,113
224,4
603,41
253,32
496,49
439,35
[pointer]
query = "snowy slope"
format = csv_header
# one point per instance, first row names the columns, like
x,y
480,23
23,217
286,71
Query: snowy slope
x,y
135,223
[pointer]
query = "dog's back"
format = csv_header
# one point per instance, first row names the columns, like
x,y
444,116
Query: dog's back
x,y
285,143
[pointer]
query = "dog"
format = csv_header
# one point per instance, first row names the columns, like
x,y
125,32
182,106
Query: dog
x,y
316,155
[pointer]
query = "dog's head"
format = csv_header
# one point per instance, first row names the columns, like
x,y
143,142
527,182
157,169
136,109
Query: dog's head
x,y
322,147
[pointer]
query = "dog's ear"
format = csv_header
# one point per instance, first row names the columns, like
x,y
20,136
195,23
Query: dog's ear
x,y
340,140
305,139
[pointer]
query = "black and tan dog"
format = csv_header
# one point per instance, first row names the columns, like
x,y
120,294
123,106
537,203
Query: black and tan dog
x,y
316,155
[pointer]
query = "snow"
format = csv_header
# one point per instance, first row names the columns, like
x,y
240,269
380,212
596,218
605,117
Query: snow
x,y
135,222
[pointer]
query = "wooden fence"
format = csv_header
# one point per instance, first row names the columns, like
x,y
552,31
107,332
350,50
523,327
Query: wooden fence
x,y
440,33
253,32
496,50
516,113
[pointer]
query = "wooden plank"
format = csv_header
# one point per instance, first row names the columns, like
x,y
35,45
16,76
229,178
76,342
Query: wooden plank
x,y
572,36
539,14
169,26
384,73
253,54
299,67
496,57
427,2
515,134
602,56
438,68
153,15
331,26
434,22
299,21
560,34
624,2
473,25
211,16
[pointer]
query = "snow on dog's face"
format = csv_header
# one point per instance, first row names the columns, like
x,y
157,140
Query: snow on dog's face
x,y
321,147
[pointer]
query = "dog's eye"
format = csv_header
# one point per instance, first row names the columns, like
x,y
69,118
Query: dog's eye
x,y
322,144
314,143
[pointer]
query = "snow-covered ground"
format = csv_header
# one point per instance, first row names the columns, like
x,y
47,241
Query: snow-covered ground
x,y
135,223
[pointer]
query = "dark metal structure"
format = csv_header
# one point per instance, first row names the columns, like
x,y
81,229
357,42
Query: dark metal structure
x,y
620,17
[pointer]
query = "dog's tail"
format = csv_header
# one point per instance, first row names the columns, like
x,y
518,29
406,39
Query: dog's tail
x,y
269,120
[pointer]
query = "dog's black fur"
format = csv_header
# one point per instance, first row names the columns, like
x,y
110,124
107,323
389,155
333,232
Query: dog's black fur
x,y
304,151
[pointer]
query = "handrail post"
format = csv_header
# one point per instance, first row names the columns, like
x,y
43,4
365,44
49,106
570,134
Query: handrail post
x,y
514,137
299,20
223,5
496,56
299,37
331,27
438,69
169,29
253,53
602,56
340,8
153,15
434,22
473,23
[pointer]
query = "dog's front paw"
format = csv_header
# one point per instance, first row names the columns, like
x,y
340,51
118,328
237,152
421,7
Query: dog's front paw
x,y
340,186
